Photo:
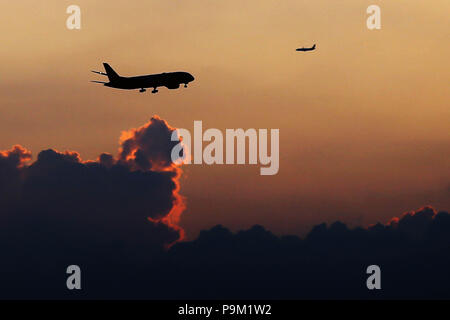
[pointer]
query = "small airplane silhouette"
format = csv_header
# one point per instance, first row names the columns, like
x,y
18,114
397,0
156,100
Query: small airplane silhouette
x,y
306,49
170,80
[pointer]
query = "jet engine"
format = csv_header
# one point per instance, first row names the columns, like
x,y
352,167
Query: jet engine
x,y
173,85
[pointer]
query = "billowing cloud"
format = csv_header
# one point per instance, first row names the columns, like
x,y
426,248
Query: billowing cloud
x,y
148,147
141,182
60,210
130,198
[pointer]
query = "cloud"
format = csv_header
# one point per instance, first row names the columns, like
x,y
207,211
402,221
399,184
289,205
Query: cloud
x,y
148,147
140,182
125,203
117,218
330,262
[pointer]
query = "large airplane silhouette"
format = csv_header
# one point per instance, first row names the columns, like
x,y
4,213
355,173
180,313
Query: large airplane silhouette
x,y
306,49
170,80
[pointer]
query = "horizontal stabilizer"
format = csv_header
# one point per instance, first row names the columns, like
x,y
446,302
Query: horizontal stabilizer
x,y
98,81
98,72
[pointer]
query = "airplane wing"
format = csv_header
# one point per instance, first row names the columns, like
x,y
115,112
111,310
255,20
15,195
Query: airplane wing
x,y
98,81
99,72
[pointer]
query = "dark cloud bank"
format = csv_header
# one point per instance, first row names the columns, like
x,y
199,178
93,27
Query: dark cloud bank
x,y
116,218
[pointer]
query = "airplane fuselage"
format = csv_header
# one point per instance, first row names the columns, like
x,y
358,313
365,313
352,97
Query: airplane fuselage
x,y
171,80
306,49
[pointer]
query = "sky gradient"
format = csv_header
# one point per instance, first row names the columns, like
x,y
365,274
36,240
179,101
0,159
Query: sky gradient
x,y
363,120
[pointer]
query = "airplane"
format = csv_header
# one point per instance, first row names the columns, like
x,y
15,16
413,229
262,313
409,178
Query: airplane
x,y
170,80
306,49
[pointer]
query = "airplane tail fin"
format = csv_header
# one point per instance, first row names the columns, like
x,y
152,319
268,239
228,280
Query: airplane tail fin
x,y
112,75
314,46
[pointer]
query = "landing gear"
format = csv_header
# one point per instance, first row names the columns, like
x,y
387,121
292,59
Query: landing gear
x,y
185,85
155,90
142,90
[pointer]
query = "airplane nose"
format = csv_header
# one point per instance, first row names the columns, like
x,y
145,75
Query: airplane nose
x,y
192,77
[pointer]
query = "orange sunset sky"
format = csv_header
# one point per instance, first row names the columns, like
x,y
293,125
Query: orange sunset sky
x,y
364,120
